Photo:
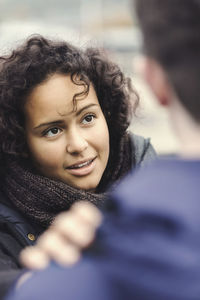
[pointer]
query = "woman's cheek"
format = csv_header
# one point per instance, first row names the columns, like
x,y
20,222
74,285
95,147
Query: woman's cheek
x,y
103,136
46,153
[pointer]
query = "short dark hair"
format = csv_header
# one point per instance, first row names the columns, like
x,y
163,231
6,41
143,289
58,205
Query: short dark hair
x,y
37,59
171,30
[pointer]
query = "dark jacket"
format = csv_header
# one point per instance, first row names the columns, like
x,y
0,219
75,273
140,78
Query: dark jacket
x,y
16,232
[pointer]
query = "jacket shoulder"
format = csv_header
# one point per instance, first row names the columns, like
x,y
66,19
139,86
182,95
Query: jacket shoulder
x,y
143,152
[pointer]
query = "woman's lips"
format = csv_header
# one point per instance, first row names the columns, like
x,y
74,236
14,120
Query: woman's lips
x,y
82,168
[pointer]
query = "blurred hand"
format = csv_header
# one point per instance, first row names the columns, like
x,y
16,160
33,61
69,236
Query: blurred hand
x,y
63,242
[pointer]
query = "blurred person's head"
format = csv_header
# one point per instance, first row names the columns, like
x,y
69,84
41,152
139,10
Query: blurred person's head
x,y
62,108
171,30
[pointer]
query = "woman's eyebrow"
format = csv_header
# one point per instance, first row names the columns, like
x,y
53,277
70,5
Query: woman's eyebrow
x,y
49,124
59,122
84,108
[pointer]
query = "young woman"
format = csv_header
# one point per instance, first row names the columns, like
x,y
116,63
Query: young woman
x,y
64,114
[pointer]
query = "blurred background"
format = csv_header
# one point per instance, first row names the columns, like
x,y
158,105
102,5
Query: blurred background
x,y
105,23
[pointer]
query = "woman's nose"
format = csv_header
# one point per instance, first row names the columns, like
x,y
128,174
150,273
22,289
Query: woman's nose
x,y
76,143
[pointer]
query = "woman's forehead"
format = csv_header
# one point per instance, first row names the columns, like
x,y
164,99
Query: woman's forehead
x,y
56,97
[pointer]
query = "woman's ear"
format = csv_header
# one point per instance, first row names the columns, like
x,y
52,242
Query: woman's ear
x,y
157,80
25,153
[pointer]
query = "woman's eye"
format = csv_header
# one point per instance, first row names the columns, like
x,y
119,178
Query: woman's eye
x,y
88,119
52,132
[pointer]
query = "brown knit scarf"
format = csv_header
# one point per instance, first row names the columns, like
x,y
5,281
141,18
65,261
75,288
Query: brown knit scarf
x,y
40,198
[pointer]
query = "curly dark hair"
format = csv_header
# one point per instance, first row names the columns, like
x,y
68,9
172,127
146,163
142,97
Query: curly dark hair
x,y
171,36
38,58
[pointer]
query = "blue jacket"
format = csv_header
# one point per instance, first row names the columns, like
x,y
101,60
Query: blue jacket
x,y
148,247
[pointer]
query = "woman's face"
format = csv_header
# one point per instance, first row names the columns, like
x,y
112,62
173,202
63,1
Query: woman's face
x,y
66,145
